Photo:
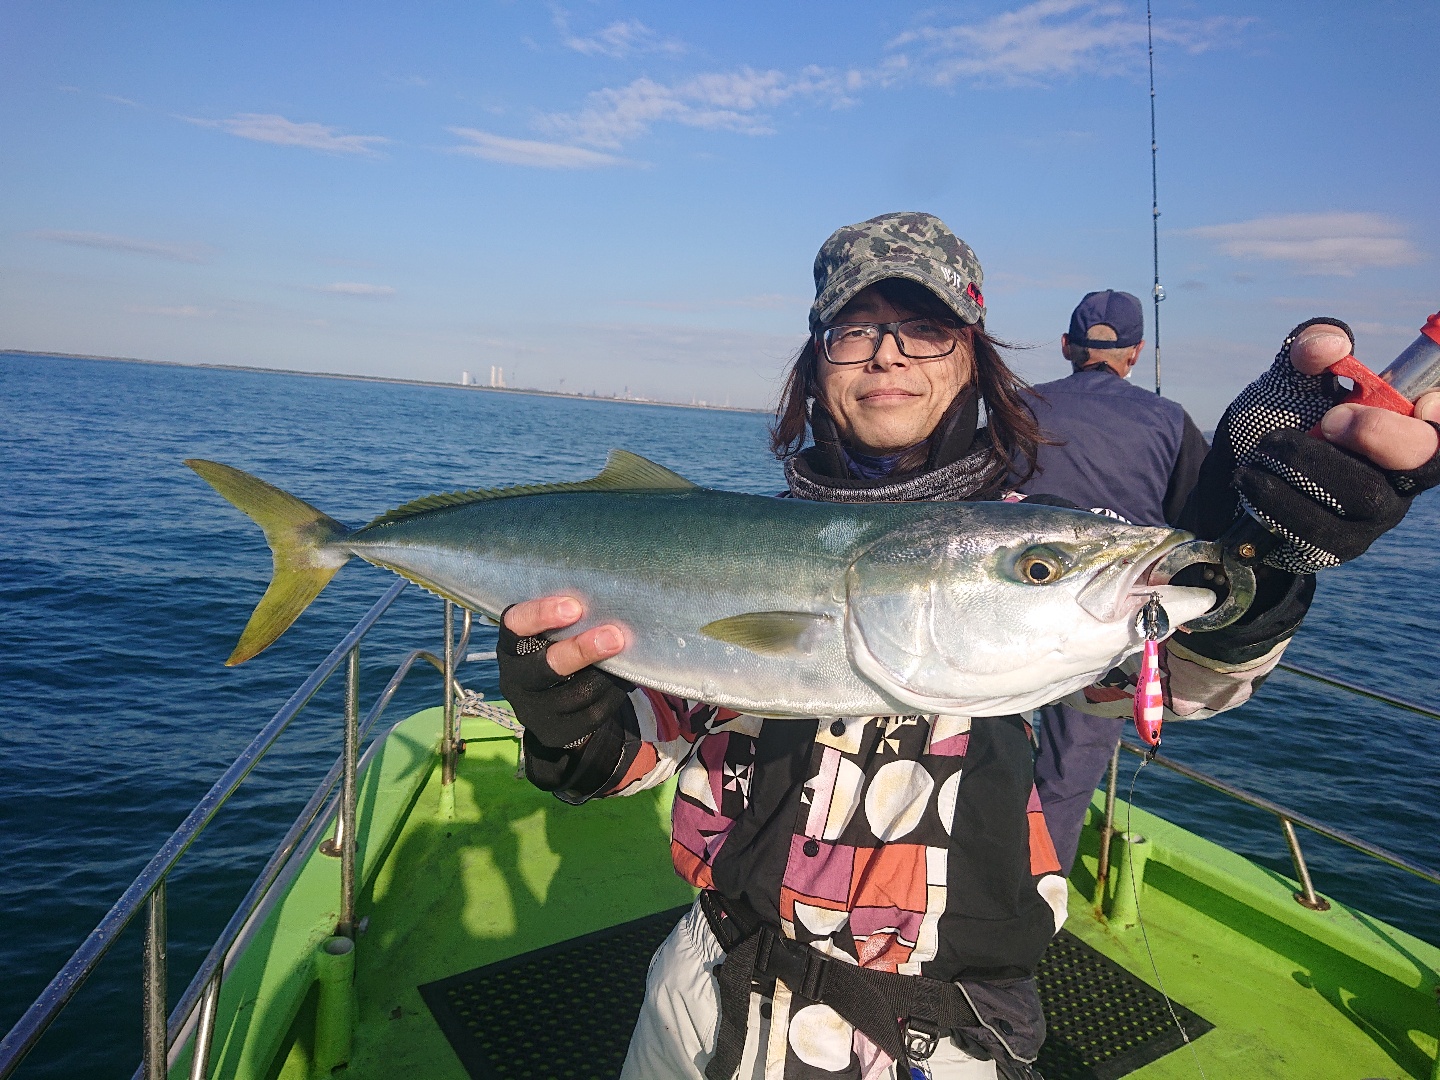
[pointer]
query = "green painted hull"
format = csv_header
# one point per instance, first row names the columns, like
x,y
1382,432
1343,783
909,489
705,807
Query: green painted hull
x,y
501,869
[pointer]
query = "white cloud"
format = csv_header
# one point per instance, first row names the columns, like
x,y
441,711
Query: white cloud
x,y
121,100
188,311
725,101
539,155
623,38
1048,39
355,288
159,249
1331,243
270,128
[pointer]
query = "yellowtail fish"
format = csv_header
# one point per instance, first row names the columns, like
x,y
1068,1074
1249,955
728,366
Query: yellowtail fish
x,y
773,607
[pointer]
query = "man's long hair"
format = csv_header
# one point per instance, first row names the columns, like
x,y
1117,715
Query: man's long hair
x,y
1014,431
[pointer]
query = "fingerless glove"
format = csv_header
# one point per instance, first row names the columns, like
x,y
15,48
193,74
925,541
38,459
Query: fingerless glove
x,y
561,711
1330,505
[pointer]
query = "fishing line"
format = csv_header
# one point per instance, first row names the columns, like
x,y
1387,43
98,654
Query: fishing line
x,y
1135,888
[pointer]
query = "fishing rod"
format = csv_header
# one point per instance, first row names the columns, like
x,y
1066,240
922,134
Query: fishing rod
x,y
1158,291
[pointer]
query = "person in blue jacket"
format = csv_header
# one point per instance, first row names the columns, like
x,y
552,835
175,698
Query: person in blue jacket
x,y
1112,446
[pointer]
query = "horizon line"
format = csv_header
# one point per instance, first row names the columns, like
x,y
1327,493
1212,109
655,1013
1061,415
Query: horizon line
x,y
393,379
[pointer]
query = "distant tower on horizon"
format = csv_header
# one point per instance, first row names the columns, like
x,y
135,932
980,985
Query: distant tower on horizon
x,y
464,378
497,377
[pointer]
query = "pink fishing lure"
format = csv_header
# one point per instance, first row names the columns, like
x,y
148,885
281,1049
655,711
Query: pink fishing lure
x,y
1149,696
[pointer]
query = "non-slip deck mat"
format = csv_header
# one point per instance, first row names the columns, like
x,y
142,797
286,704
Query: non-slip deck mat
x,y
1102,1022
565,1012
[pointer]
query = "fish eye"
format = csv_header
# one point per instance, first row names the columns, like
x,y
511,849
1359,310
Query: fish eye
x,y
1039,566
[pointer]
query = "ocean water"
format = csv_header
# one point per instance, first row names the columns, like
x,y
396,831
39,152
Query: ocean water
x,y
124,581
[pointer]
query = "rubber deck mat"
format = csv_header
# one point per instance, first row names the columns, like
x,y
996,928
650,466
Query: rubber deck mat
x,y
565,1012
1102,1022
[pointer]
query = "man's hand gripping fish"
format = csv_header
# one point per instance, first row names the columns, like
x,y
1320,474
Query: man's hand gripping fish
x,y
773,607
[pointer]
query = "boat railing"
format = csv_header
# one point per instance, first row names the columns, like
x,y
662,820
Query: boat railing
x,y
1307,896
197,1005
195,1012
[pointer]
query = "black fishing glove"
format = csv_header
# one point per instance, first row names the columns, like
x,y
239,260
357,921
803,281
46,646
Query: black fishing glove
x,y
1328,504
560,711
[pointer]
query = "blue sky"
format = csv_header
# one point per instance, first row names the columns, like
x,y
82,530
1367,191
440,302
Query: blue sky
x,y
608,196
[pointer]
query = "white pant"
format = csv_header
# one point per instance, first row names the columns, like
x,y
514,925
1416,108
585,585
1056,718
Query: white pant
x,y
675,1036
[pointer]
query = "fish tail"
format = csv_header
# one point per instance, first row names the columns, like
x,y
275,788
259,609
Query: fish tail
x,y
302,540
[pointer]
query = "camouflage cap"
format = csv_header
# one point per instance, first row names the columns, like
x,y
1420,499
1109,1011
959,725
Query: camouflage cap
x,y
909,245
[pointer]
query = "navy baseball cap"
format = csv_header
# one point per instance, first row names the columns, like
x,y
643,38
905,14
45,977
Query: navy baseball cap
x,y
1118,310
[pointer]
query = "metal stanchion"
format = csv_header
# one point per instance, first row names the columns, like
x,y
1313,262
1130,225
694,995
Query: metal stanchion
x,y
205,1030
346,927
1102,872
447,740
153,996
1306,897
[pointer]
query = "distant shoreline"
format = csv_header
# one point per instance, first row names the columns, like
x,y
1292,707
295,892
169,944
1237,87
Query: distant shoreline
x,y
523,391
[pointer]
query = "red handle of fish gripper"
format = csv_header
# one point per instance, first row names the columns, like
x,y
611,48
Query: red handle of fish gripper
x,y
1370,389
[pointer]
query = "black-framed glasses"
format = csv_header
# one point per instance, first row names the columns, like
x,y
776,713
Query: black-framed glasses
x,y
918,339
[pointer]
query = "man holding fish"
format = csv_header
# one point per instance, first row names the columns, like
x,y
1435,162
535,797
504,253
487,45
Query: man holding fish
x,y
848,872
835,678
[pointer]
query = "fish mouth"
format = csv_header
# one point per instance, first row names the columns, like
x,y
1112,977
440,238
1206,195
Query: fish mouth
x,y
1121,590
1182,603
1149,574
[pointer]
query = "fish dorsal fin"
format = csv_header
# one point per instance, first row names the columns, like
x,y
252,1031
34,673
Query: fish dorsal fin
x,y
623,471
770,633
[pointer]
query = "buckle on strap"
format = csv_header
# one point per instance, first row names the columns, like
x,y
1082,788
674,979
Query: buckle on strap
x,y
766,941
921,1037
813,985
800,967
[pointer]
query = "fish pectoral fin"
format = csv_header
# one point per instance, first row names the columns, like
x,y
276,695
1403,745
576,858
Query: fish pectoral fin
x,y
771,633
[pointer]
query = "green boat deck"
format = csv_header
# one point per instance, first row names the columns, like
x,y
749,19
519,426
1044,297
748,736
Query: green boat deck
x,y
450,884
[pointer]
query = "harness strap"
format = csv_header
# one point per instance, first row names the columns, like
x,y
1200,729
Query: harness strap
x,y
903,1015
734,976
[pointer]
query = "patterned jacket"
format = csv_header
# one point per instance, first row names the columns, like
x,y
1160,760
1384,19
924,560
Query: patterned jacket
x,y
907,843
